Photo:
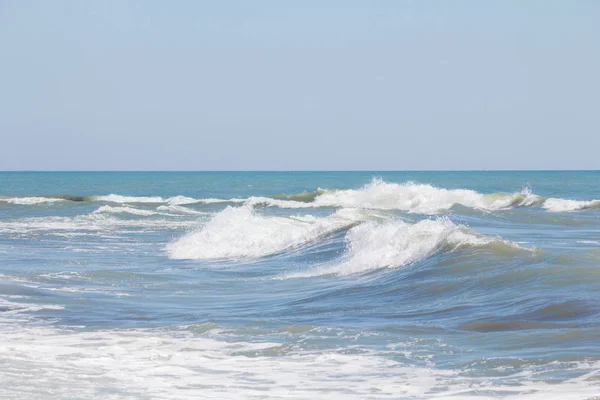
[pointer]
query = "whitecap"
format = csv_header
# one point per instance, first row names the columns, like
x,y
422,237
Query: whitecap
x,y
393,244
240,232
565,205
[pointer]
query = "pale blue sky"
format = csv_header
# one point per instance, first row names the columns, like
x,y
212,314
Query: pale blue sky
x,y
272,85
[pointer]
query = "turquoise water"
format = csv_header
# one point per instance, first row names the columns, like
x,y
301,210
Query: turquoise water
x,y
302,285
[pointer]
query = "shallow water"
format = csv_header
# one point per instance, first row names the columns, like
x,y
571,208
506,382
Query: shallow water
x,y
366,285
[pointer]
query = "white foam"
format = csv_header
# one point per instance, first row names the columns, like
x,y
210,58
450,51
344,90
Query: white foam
x,y
180,210
10,309
129,210
409,196
239,232
86,224
45,362
565,205
393,244
116,198
180,200
255,201
30,200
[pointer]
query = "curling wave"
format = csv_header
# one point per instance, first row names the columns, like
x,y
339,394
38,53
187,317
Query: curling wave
x,y
393,244
241,232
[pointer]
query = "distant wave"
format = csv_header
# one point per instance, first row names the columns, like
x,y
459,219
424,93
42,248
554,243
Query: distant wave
x,y
393,244
302,196
565,205
410,197
29,200
173,201
114,198
242,232
179,210
103,219
128,210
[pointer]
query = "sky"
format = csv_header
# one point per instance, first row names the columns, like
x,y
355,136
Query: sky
x,y
299,85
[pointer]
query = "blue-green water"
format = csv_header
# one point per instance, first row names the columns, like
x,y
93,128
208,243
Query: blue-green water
x,y
300,285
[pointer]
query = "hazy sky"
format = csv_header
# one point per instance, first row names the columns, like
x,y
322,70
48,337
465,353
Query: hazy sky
x,y
271,85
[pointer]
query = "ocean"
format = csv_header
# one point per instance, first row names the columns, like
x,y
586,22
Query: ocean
x,y
300,285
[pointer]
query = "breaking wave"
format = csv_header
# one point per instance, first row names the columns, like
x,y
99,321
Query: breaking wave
x,y
409,197
116,198
29,200
128,210
393,244
565,205
241,232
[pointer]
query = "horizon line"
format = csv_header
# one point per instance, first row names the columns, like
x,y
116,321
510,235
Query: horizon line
x,y
298,170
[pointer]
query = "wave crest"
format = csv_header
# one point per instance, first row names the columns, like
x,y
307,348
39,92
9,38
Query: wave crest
x,y
241,232
410,197
564,205
30,200
393,244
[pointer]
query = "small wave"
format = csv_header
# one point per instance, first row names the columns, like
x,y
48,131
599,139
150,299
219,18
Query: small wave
x,y
104,221
409,197
172,201
117,198
241,232
393,244
7,306
30,200
181,200
564,205
180,210
302,196
129,210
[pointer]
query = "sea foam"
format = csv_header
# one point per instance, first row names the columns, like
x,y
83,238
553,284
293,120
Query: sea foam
x,y
54,363
128,210
30,200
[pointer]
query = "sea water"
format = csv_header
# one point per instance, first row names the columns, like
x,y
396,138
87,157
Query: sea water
x,y
300,285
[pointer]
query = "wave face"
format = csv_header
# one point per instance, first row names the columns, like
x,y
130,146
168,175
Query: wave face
x,y
242,232
394,244
415,286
